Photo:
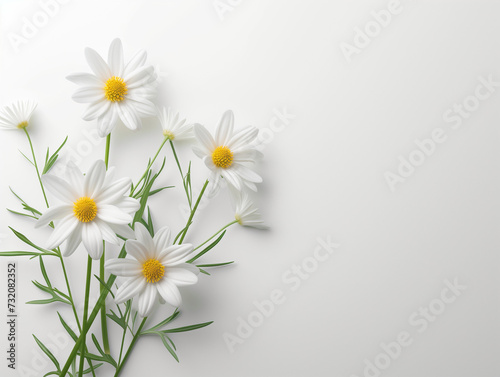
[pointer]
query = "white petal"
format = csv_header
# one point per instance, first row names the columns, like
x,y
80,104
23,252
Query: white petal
x,y
88,95
137,250
85,79
128,205
175,254
75,176
162,238
130,288
232,178
246,173
108,234
97,64
169,292
54,213
147,299
107,122
141,76
243,138
138,60
114,191
59,188
115,57
204,137
112,214
92,239
142,105
201,151
123,267
62,231
123,230
94,179
143,236
225,128
180,275
96,109
129,117
72,242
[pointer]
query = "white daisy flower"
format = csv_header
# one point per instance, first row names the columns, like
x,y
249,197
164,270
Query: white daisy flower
x,y
116,90
173,127
246,213
16,115
154,271
95,208
230,154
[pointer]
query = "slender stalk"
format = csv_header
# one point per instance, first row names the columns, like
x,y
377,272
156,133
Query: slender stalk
x,y
180,171
90,320
216,233
149,165
36,167
104,319
123,337
132,344
85,312
106,155
188,224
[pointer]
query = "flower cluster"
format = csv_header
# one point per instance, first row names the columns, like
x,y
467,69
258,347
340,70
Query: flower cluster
x,y
100,208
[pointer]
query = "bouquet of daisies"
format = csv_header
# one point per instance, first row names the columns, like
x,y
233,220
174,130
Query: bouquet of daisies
x,y
89,211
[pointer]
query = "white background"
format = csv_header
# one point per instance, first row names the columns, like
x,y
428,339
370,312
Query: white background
x,y
323,177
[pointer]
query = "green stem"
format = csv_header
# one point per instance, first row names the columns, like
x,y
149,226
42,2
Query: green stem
x,y
36,167
180,171
106,155
90,320
104,320
149,166
85,313
217,233
132,344
123,337
188,224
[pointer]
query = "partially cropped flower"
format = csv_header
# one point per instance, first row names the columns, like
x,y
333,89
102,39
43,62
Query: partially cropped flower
x,y
154,270
246,213
95,209
230,155
116,90
16,115
173,127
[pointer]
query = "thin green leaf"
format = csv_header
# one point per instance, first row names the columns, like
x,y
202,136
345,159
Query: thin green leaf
x,y
48,353
67,328
25,239
104,285
207,249
214,264
167,346
19,253
22,214
187,328
26,157
163,323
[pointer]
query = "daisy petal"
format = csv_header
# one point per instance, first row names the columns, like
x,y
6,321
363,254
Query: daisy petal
x,y
107,122
112,214
96,109
243,138
181,276
54,213
225,128
204,137
73,241
115,57
246,173
114,191
62,231
137,250
85,79
147,299
123,267
59,188
162,238
175,254
97,64
92,239
169,292
138,60
130,288
129,117
94,179
142,235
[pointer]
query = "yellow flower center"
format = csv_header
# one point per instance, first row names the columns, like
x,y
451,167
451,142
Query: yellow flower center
x,y
115,89
85,209
23,124
153,270
222,157
169,135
